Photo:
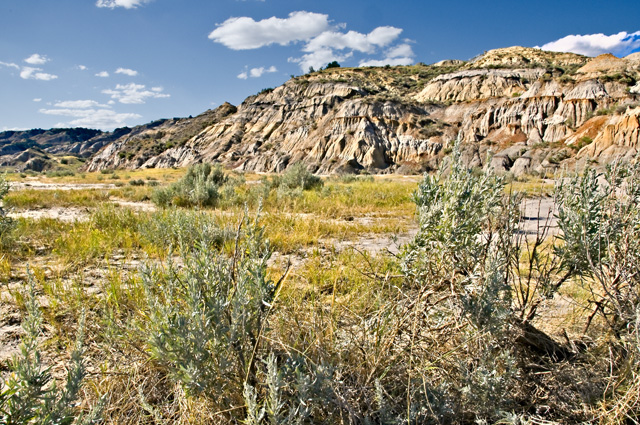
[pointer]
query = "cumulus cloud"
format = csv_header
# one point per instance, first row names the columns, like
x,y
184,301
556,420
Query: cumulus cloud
x,y
256,72
323,42
620,44
36,59
397,55
82,68
102,74
127,4
319,58
29,73
134,93
366,43
245,33
126,71
37,99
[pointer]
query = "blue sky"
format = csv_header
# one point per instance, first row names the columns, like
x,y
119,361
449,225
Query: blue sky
x,y
110,63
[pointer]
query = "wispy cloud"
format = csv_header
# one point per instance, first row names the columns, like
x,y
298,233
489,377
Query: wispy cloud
x,y
102,74
620,44
10,65
29,73
82,68
37,99
135,93
127,71
257,72
127,4
36,59
79,104
89,113
244,33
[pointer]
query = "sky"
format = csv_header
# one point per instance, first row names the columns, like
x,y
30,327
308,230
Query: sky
x,y
113,63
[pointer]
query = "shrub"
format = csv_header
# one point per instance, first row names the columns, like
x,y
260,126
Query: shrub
x,y
199,187
298,177
6,223
205,320
30,395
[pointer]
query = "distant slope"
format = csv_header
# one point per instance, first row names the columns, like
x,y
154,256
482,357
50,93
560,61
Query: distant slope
x,y
528,110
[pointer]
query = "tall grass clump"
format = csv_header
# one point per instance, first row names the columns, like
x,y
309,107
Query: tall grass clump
x,y
200,186
174,228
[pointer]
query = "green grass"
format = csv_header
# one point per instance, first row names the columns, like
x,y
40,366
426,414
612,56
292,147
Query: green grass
x,y
35,199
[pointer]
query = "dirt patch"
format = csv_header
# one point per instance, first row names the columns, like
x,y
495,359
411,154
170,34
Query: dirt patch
x,y
68,214
537,213
138,206
59,186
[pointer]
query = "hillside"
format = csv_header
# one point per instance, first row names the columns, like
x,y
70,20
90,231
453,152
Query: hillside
x,y
532,109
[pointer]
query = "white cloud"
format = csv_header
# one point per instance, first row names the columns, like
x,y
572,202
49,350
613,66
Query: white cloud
x,y
244,33
401,54
79,104
134,93
82,68
620,44
37,99
258,72
36,59
10,65
126,71
402,50
127,4
93,118
319,58
387,61
102,74
366,43
29,73
324,42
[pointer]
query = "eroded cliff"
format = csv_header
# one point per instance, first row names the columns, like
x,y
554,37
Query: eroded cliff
x,y
530,110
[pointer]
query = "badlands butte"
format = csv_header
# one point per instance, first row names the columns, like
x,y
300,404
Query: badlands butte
x,y
526,110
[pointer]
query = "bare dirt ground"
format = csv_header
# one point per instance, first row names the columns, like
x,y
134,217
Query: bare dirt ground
x,y
37,185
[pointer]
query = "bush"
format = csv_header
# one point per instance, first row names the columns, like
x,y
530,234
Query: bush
x,y
205,320
298,177
30,395
6,223
199,187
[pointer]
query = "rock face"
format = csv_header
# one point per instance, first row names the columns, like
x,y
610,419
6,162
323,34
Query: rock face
x,y
528,110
